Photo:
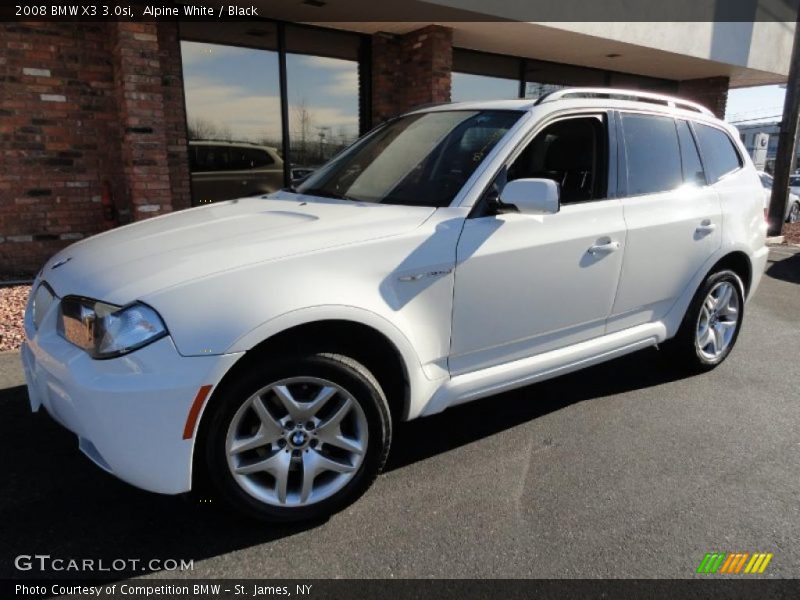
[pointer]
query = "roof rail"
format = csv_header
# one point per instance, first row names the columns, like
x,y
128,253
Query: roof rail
x,y
635,95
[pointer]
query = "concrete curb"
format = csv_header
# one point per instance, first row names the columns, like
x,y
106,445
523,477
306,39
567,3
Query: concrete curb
x,y
775,240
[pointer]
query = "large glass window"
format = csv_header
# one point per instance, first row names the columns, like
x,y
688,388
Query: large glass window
x,y
718,151
542,77
323,108
422,159
235,107
323,93
480,76
653,157
233,120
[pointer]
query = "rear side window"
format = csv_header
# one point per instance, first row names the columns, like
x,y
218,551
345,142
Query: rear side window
x,y
652,154
718,150
690,159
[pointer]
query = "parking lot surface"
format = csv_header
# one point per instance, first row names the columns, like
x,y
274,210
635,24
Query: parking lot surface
x,y
627,469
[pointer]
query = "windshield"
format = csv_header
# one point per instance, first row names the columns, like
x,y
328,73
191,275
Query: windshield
x,y
794,180
420,160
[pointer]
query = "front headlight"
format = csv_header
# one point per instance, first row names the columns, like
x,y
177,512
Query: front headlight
x,y
106,330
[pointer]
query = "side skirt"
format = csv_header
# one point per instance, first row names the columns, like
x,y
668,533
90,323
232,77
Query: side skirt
x,y
519,373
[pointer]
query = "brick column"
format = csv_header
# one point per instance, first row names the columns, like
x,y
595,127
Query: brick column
x,y
711,92
145,79
410,70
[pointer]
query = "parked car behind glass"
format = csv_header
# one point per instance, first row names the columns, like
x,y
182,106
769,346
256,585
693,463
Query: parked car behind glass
x,y
225,170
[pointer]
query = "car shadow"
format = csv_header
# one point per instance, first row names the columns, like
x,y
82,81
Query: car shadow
x,y
422,438
56,502
786,269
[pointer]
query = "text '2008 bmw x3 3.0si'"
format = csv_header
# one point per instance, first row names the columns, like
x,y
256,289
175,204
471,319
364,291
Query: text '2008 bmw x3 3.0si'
x,y
270,343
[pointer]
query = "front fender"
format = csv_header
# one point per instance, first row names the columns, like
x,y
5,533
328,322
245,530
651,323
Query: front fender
x,y
423,378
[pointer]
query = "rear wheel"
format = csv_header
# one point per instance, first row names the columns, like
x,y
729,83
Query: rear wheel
x,y
711,325
300,439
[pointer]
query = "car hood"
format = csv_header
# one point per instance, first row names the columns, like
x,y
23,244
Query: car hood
x,y
128,263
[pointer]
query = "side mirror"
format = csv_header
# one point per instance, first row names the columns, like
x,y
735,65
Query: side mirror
x,y
532,196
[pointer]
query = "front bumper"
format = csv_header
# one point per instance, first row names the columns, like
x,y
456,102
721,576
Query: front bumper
x,y
129,412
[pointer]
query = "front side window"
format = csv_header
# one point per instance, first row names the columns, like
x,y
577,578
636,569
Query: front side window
x,y
571,152
718,151
652,154
419,160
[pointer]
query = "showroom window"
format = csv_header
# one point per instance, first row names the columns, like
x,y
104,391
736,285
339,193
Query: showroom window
x,y
322,73
482,76
267,103
486,76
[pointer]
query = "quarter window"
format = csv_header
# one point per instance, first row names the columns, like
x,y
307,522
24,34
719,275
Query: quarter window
x,y
653,157
718,150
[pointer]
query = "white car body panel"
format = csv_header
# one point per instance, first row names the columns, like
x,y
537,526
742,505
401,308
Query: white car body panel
x,y
678,231
561,294
473,306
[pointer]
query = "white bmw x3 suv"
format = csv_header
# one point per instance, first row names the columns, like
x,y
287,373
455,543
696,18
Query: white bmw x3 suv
x,y
268,344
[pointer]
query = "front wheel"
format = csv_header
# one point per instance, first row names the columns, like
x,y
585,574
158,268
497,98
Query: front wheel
x,y
299,439
712,322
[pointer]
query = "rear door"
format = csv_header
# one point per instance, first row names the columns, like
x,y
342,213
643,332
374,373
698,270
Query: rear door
x,y
673,216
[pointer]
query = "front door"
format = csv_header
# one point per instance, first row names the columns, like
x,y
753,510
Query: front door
x,y
528,284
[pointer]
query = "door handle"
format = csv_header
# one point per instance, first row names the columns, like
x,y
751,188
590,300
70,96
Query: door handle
x,y
604,248
706,226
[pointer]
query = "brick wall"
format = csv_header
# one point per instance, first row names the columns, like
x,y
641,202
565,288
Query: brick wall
x,y
410,70
58,138
711,92
86,108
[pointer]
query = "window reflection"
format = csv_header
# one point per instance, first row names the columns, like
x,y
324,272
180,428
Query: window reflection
x,y
323,109
233,121
467,87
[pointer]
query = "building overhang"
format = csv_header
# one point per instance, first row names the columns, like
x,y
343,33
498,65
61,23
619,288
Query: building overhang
x,y
748,53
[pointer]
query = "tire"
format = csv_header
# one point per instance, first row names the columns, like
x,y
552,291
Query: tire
x,y
794,213
258,453
703,340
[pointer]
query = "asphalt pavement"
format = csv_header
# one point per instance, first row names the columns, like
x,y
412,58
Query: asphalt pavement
x,y
627,469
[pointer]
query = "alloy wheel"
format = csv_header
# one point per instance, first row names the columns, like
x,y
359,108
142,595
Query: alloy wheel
x,y
297,441
717,322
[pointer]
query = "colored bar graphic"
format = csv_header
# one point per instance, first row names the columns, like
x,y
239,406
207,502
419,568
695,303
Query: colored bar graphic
x,y
764,564
740,564
728,562
733,563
